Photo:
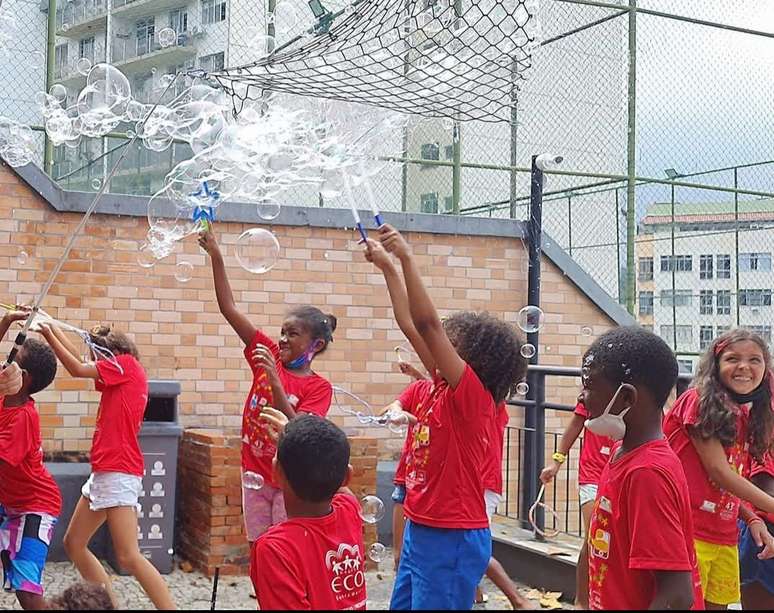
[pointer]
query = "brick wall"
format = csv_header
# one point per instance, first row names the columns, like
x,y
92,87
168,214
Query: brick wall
x,y
210,531
182,336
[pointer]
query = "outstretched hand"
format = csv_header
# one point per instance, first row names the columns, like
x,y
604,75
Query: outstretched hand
x,y
208,242
393,242
276,420
10,379
375,253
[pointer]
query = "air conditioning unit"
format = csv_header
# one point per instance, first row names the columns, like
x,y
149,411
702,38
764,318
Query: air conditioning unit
x,y
198,31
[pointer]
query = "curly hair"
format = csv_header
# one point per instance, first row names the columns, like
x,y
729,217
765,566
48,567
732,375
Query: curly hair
x,y
491,347
716,419
319,325
631,354
39,360
83,596
115,341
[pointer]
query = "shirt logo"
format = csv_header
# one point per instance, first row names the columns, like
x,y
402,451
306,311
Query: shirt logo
x,y
600,544
605,451
708,506
346,566
604,504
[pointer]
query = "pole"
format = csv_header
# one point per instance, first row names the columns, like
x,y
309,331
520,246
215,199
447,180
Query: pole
x,y
456,169
569,223
215,588
736,239
532,442
631,158
674,268
48,155
618,245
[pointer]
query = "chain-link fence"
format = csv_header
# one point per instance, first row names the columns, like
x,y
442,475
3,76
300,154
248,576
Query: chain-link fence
x,y
665,130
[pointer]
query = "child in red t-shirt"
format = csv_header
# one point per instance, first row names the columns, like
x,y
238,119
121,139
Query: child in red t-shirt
x,y
477,362
594,455
282,378
716,428
641,553
112,491
30,501
315,560
756,566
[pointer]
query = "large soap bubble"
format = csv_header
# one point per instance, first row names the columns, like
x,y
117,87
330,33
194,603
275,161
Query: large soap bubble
x,y
531,319
257,250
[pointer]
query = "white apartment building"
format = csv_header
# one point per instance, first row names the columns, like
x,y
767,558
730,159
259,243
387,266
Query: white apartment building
x,y
699,289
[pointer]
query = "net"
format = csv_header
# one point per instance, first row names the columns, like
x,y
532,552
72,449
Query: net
x,y
459,59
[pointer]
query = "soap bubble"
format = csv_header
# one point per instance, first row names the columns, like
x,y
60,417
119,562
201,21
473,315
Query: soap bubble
x,y
586,331
145,256
377,552
83,66
251,480
167,37
96,184
38,59
371,509
522,388
59,92
21,258
257,250
531,319
268,209
528,351
184,271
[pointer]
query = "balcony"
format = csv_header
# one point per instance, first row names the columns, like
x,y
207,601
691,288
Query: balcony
x,y
131,54
67,73
82,17
141,8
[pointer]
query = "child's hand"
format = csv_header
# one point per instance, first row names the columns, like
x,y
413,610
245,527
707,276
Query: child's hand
x,y
548,473
208,242
393,242
19,314
276,420
411,371
10,379
264,358
762,538
375,253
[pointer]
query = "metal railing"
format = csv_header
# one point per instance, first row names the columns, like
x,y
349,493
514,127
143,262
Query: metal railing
x,y
525,446
76,13
125,49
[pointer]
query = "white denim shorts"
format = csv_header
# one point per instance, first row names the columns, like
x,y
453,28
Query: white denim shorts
x,y
587,493
108,490
491,500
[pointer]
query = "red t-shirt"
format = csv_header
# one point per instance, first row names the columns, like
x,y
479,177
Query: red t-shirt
x,y
715,511
450,444
641,523
305,394
758,468
595,452
115,446
493,471
25,484
410,400
312,563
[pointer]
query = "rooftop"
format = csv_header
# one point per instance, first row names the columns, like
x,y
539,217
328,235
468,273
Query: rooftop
x,y
749,210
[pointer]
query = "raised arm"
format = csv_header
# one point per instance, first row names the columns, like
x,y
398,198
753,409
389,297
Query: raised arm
x,y
423,314
236,319
62,338
375,253
72,364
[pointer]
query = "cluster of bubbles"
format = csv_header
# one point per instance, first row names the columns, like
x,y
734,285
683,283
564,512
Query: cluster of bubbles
x,y
17,142
394,419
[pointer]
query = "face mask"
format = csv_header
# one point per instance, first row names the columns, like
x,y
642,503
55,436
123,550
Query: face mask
x,y
304,358
607,424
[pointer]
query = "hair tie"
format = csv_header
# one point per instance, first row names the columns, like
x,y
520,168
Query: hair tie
x,y
720,347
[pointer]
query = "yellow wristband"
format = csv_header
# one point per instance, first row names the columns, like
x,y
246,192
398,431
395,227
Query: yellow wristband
x,y
559,457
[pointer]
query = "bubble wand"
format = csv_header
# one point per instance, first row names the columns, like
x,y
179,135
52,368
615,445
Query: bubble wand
x,y
355,214
22,335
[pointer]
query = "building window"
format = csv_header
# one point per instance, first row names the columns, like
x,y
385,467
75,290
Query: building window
x,y
705,267
684,335
60,57
755,297
430,151
428,203
763,331
676,263
646,303
680,297
213,11
144,29
760,262
705,302
646,269
448,152
86,48
723,329
448,204
685,367
706,335
213,62
724,266
724,302
178,20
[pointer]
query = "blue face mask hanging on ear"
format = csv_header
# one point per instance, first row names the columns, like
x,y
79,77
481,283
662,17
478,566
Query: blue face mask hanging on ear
x,y
304,358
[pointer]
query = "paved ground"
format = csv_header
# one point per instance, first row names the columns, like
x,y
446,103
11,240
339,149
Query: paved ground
x,y
193,591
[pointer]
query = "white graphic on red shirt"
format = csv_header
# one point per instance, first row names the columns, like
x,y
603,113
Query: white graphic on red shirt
x,y
346,564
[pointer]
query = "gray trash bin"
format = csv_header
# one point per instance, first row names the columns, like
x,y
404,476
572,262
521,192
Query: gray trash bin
x,y
159,440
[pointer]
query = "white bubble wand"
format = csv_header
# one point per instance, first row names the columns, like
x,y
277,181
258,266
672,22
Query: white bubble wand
x,y
35,309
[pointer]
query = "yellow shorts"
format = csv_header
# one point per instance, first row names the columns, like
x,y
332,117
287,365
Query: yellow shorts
x,y
719,570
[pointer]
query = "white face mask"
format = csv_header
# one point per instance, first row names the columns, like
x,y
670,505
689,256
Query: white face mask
x,y
611,426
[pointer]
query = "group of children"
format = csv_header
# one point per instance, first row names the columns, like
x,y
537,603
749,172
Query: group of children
x,y
671,503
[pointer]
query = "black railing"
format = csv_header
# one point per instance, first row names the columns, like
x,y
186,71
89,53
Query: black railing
x,y
526,447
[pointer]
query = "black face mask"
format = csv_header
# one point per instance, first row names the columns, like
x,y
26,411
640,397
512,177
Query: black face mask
x,y
757,394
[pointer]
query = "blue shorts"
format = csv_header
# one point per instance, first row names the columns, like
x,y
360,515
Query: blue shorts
x,y
399,494
24,543
751,569
440,568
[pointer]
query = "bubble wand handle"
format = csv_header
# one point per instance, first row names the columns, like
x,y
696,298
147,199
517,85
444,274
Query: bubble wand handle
x,y
22,336
355,214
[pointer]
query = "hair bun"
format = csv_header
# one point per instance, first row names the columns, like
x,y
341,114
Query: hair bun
x,y
332,321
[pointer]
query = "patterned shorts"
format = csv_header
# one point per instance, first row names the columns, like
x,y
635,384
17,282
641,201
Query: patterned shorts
x,y
24,542
262,509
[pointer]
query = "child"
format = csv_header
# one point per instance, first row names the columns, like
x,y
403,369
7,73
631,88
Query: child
x,y
594,455
447,542
715,428
30,501
111,492
641,553
83,596
315,560
756,567
282,378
